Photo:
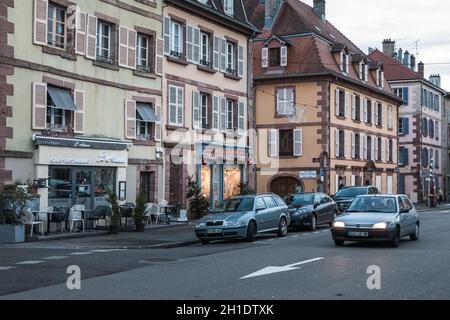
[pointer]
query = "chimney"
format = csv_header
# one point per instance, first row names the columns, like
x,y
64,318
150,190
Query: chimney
x,y
400,55
389,47
271,9
421,70
319,8
413,62
406,59
435,79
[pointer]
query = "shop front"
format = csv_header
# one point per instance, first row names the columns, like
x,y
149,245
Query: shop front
x,y
222,171
80,171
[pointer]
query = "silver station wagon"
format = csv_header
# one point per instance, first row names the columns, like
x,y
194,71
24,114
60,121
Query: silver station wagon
x,y
242,217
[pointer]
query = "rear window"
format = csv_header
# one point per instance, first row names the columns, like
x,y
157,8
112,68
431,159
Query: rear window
x,y
351,192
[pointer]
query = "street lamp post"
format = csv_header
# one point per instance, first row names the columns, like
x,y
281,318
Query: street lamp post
x,y
433,191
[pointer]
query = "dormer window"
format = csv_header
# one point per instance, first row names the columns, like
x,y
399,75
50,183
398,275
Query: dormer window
x,y
380,78
344,61
275,57
363,71
228,7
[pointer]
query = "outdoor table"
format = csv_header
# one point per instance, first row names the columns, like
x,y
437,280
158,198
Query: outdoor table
x,y
168,211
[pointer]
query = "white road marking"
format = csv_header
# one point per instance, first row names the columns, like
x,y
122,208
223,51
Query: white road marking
x,y
30,262
307,234
80,253
6,268
107,250
55,258
296,236
317,232
271,269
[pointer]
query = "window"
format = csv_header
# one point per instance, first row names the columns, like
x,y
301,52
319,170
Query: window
x,y
104,50
176,105
270,202
344,62
403,159
204,47
436,130
286,142
380,150
425,127
341,105
204,110
143,52
379,120
60,107
56,26
230,112
144,129
390,150
340,144
228,7
363,71
431,128
231,56
369,112
285,101
176,44
390,123
275,57
357,146
403,125
402,93
357,108
437,103
436,159
369,148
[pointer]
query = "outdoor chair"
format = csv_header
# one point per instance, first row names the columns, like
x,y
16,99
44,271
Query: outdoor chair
x,y
76,214
127,211
59,216
30,220
99,213
152,210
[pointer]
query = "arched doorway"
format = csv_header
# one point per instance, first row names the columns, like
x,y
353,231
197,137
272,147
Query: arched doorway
x,y
286,185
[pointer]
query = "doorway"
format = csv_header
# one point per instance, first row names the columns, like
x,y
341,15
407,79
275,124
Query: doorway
x,y
284,186
147,181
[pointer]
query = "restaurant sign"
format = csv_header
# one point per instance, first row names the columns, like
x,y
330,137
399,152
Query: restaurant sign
x,y
224,153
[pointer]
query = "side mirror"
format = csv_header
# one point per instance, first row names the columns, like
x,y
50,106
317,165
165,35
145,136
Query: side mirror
x,y
404,210
316,204
260,209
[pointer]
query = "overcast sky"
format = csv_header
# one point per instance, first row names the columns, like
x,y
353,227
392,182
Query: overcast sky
x,y
368,22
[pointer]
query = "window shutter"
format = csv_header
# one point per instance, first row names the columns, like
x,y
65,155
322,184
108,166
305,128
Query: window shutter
x,y
159,56
337,101
375,143
361,66
347,61
353,107
347,101
283,58
196,45
365,110
123,46
394,151
240,61
361,146
341,60
215,114
39,113
196,118
388,151
167,37
158,126
265,57
80,34
223,55
382,79
216,53
132,41
273,145
130,119
361,109
378,77
223,114
375,112
40,22
241,116
406,156
353,180
79,100
336,144
382,149
91,39
353,145
366,72
190,43
298,145
347,144
389,117
405,125
372,110
382,116
365,147
406,96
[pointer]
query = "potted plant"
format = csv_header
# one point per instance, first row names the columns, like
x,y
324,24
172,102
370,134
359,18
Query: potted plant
x,y
198,203
116,216
139,213
13,200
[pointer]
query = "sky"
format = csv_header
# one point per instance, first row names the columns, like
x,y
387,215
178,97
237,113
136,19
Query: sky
x,y
367,22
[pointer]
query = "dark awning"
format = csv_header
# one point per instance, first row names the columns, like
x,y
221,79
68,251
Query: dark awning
x,y
146,112
61,98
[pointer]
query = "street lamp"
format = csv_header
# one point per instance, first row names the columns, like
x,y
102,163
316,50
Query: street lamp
x,y
433,191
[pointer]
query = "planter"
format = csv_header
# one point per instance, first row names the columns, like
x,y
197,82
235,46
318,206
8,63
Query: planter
x,y
140,227
10,233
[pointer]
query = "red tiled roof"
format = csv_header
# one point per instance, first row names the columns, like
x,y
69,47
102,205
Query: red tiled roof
x,y
394,70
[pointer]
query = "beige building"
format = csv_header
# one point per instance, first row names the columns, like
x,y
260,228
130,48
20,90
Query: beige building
x,y
81,99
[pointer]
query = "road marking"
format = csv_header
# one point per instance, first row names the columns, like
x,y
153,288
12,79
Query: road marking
x,y
6,268
81,253
307,234
271,269
107,250
317,232
296,236
30,262
55,258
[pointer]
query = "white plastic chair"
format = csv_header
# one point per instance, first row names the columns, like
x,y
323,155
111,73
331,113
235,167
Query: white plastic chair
x,y
152,210
76,214
30,219
43,215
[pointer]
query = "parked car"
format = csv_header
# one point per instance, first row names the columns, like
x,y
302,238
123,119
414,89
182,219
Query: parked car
x,y
311,209
243,217
345,196
377,218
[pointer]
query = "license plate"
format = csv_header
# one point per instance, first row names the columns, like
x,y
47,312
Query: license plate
x,y
358,234
214,231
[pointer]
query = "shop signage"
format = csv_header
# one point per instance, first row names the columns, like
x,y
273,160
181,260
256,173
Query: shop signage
x,y
68,161
80,144
109,158
221,153
308,174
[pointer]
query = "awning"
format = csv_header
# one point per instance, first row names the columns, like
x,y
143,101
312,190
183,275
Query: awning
x,y
146,112
61,98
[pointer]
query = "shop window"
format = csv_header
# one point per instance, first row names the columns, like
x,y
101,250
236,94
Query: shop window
x,y
60,186
206,181
231,181
104,181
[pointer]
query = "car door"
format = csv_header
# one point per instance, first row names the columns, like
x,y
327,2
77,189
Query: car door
x,y
273,213
319,208
411,217
404,219
261,214
329,208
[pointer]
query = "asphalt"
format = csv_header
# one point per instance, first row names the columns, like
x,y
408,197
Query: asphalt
x,y
416,270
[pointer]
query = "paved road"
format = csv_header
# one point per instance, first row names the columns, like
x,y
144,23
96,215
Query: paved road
x,y
313,268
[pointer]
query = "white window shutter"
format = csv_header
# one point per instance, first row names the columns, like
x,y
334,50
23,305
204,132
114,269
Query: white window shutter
x,y
158,126
378,77
372,107
215,114
382,116
361,146
347,102
336,144
383,149
394,151
376,148
223,55
365,110
361,67
196,117
283,56
361,109
39,112
167,35
123,46
196,45
91,39
223,114
353,180
388,153
241,61
40,22
365,147
348,57
375,112
353,145
366,72
242,111
273,143
298,145
341,60
80,32
130,119
337,98
265,57
372,149
353,107
216,53
189,43
159,57
347,144
79,100
132,43
382,79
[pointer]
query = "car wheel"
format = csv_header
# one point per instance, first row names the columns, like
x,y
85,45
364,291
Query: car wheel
x,y
251,232
204,241
339,243
313,223
282,228
415,235
396,240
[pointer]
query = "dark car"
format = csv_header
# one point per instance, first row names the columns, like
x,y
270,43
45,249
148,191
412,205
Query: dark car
x,y
346,195
310,209
377,218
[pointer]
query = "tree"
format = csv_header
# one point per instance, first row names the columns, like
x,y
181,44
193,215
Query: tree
x,y
244,189
116,216
199,204
139,211
12,201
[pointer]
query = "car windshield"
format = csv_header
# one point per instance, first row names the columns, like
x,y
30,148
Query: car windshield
x,y
299,200
235,205
373,204
351,192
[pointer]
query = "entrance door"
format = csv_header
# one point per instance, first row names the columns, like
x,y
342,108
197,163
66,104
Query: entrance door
x,y
176,184
147,179
82,188
284,186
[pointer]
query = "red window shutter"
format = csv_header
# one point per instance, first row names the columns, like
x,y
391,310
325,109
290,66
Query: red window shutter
x,y
79,113
39,113
91,39
130,119
159,56
80,35
40,22
132,40
123,46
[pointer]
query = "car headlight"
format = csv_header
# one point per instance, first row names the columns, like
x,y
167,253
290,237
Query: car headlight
x,y
338,224
382,225
201,225
232,223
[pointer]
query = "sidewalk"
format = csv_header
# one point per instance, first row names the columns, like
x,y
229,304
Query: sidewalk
x,y
422,207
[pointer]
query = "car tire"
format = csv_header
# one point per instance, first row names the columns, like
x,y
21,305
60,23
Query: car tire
x,y
415,235
251,232
282,228
339,243
313,223
396,241
204,241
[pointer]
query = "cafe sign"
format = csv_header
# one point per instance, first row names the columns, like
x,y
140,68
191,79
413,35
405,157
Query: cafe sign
x,y
214,153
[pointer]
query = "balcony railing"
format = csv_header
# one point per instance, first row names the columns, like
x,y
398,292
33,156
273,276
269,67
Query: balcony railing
x,y
206,64
176,54
57,127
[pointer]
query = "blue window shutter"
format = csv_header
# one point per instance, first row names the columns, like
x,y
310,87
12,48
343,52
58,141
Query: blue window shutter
x,y
405,125
405,157
406,96
401,186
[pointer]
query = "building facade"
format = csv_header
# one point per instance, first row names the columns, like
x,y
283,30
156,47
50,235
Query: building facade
x,y
446,145
325,115
81,99
205,93
420,122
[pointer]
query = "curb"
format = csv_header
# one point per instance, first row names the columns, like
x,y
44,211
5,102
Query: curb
x,y
69,236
